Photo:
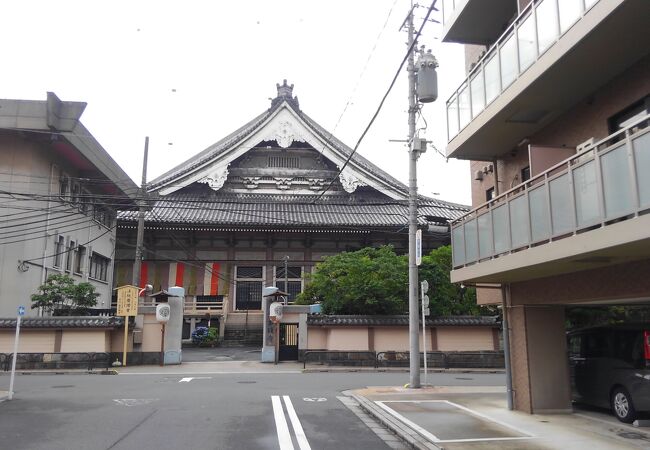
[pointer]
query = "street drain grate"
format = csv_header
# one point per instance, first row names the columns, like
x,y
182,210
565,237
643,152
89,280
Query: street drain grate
x,y
63,386
247,382
464,378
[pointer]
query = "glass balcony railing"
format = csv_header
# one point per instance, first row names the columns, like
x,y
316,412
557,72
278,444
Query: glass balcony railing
x,y
602,183
533,32
449,7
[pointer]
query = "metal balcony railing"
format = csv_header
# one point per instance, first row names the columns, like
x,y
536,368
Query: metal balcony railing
x,y
191,306
538,27
600,184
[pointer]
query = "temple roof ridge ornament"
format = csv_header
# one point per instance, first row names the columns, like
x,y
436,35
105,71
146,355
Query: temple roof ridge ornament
x,y
285,93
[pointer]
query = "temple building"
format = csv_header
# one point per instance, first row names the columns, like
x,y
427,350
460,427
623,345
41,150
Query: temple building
x,y
261,207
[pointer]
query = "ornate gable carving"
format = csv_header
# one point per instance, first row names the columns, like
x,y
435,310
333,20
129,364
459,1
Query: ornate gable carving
x,y
285,134
349,182
216,178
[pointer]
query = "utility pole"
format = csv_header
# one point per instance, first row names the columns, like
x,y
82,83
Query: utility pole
x,y
414,331
137,264
286,278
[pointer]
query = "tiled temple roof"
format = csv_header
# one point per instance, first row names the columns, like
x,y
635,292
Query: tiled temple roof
x,y
64,322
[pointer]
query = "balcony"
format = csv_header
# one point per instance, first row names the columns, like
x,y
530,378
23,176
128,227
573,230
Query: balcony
x,y
553,55
475,21
191,307
590,210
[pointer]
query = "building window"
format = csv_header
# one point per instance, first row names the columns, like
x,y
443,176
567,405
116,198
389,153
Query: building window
x,y
629,115
103,215
525,174
64,187
59,244
75,193
489,194
83,201
293,279
69,256
80,258
248,283
99,267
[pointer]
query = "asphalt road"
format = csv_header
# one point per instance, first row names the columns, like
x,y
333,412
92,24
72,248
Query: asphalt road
x,y
216,411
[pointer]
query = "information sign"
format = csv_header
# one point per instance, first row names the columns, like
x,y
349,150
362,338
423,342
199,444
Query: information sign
x,y
127,301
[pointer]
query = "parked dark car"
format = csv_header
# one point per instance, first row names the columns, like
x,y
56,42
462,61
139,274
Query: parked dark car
x,y
610,368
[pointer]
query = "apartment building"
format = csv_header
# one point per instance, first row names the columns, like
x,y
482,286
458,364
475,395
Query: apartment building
x,y
554,116
59,191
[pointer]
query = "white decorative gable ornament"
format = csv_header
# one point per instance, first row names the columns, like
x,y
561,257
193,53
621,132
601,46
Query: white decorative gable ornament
x,y
216,178
285,134
349,182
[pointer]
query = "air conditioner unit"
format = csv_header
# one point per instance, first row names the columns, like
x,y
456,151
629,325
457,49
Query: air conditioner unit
x,y
478,175
588,143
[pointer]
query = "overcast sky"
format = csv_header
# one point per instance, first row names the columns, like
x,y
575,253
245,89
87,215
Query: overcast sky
x,y
187,73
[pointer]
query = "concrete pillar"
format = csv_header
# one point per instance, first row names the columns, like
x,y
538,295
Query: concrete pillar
x,y
174,327
540,367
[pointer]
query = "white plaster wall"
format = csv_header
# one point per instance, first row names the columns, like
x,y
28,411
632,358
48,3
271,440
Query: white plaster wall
x,y
465,339
30,341
348,338
84,341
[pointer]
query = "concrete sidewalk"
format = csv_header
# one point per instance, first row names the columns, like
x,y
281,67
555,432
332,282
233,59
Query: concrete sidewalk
x,y
467,418
190,368
4,395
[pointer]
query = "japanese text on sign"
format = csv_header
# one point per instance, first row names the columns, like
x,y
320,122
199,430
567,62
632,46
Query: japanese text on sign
x,y
127,301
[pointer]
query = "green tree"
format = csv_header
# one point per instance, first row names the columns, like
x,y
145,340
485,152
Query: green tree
x,y
375,281
447,298
60,296
368,281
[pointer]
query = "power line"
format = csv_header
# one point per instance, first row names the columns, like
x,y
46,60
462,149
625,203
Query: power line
x,y
39,228
381,104
70,248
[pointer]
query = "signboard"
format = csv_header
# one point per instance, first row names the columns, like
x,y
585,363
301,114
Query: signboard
x,y
418,247
21,310
127,300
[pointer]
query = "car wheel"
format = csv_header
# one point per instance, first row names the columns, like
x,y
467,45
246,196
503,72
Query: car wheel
x,y
622,405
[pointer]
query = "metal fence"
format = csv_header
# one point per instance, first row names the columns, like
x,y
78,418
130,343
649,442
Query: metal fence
x,y
35,361
435,360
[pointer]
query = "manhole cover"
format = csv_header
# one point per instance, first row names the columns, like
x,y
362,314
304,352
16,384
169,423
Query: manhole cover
x,y
247,382
63,386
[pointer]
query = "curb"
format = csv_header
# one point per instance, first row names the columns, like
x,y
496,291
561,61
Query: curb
x,y
4,395
63,372
408,435
396,370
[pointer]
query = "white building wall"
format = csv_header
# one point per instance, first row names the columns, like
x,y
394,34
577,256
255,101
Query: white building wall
x,y
28,167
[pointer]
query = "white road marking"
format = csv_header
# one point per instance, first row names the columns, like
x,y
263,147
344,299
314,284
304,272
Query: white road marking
x,y
284,437
413,425
463,408
295,423
134,401
314,399
490,419
188,379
